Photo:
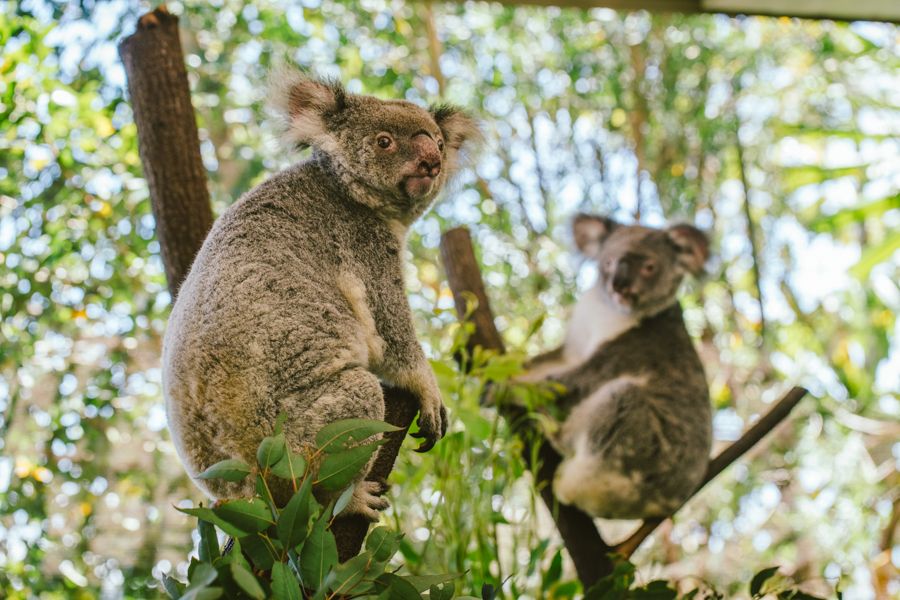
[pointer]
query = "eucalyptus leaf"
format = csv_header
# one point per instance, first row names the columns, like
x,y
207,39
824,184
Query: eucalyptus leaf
x,y
293,521
270,451
251,515
340,468
336,436
319,554
284,584
230,470
207,514
383,543
247,581
344,500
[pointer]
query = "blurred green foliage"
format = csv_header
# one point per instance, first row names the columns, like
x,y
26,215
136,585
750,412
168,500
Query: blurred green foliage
x,y
792,124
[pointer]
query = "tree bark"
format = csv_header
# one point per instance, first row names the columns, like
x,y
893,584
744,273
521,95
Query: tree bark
x,y
170,155
167,140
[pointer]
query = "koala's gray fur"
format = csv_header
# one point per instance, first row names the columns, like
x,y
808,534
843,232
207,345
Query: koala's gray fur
x,y
296,301
637,435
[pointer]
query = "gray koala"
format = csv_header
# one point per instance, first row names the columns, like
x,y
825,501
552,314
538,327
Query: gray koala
x,y
636,437
295,303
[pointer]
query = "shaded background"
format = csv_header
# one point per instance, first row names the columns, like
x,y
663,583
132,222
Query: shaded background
x,y
782,130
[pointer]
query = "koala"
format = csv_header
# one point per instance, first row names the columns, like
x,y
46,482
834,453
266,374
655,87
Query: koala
x,y
637,429
296,303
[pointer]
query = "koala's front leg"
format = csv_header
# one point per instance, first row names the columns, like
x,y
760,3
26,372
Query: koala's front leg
x,y
544,365
404,364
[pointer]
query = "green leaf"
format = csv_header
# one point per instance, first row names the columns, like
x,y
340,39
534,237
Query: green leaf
x,y
875,255
339,469
756,584
351,573
209,543
202,575
319,554
249,515
247,581
383,543
261,551
206,514
443,592
553,572
343,500
655,590
284,583
396,587
173,587
270,451
291,466
335,437
854,214
229,470
293,522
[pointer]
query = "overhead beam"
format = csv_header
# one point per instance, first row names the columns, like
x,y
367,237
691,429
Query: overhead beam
x,y
837,10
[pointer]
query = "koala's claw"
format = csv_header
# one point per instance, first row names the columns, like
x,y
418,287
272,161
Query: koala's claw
x,y
430,431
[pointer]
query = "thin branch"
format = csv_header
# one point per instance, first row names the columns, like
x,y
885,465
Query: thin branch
x,y
752,234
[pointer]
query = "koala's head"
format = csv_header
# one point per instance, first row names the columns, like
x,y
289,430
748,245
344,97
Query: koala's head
x,y
393,155
640,268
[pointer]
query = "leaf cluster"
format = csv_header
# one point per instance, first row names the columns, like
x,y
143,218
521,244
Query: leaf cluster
x,y
289,552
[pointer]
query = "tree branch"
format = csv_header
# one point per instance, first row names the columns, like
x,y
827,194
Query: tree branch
x,y
168,141
582,539
170,155
587,548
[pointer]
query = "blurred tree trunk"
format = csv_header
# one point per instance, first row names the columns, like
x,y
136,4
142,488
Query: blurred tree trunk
x,y
170,154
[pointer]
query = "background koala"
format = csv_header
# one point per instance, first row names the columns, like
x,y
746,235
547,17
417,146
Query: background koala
x,y
296,301
636,441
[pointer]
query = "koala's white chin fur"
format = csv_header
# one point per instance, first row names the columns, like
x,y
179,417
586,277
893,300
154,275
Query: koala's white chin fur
x,y
595,320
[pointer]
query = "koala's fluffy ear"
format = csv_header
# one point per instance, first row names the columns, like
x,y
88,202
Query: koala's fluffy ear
x,y
692,246
590,231
302,101
461,131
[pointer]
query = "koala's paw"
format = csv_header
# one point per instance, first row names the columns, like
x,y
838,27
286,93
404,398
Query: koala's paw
x,y
433,423
367,499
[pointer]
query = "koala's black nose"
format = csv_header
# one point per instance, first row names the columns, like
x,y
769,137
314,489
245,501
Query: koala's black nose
x,y
621,277
430,168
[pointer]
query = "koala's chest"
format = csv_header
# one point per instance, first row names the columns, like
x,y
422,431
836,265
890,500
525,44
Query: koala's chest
x,y
593,322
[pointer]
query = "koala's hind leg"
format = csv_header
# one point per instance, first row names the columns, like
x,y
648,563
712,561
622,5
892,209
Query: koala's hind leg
x,y
610,444
354,394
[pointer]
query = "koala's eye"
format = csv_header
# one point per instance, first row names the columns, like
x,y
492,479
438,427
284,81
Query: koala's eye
x,y
648,269
384,141
440,145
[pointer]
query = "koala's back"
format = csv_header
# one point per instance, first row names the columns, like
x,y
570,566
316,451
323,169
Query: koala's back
x,y
638,439
260,326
